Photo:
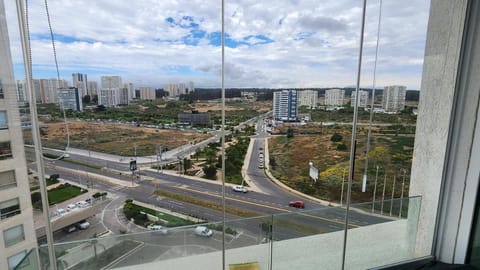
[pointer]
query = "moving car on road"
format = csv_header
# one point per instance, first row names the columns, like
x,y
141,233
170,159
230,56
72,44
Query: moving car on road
x,y
203,231
240,189
297,204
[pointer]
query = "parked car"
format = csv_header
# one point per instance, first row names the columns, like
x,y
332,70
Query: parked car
x,y
81,204
82,225
69,229
203,231
297,204
71,207
61,211
240,189
260,166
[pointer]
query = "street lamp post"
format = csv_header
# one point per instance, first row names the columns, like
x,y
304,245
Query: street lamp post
x,y
343,183
401,195
374,191
393,193
383,193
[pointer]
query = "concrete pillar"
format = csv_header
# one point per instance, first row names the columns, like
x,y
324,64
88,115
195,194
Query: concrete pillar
x,y
442,54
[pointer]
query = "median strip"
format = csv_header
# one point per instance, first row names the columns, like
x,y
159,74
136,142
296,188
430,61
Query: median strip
x,y
266,206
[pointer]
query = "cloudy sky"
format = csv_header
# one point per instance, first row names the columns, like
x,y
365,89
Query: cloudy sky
x,y
271,43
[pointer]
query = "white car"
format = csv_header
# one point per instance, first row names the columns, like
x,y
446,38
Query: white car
x,y
61,211
203,231
81,204
82,225
158,228
240,189
71,207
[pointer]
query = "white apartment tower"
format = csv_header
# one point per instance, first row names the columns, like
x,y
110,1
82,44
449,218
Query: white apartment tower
x,y
131,91
362,99
80,81
147,93
285,105
334,97
17,235
92,87
308,98
394,98
109,82
191,88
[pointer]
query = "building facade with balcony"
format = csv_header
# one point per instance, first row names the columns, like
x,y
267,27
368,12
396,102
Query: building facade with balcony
x,y
394,98
17,236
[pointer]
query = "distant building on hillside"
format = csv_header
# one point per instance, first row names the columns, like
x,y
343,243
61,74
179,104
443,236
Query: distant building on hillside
x,y
70,98
147,93
394,98
194,118
308,98
285,105
362,99
334,97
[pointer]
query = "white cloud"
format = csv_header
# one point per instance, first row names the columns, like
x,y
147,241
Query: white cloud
x,y
292,43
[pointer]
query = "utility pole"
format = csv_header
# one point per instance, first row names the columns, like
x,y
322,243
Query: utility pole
x,y
393,194
343,184
401,196
374,191
383,193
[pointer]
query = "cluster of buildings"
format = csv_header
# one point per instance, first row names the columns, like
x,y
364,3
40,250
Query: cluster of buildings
x,y
286,102
111,92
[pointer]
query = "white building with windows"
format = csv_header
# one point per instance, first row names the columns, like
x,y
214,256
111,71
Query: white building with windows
x,y
17,235
147,93
80,81
334,97
362,99
394,98
308,98
92,87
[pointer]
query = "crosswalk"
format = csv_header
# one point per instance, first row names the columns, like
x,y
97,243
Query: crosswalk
x,y
116,188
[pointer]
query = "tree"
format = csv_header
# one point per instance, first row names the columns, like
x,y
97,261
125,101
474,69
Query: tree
x,y
210,172
290,133
86,99
336,137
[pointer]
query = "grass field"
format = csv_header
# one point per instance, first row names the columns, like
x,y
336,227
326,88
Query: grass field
x,y
114,138
289,159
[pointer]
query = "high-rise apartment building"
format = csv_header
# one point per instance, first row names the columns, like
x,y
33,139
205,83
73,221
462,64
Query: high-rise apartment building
x,y
17,236
92,87
80,81
21,94
109,82
394,98
285,105
334,97
147,93
49,89
131,91
70,98
191,88
112,92
308,98
362,99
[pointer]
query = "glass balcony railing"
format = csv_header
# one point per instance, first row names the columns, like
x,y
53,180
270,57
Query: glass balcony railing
x,y
301,240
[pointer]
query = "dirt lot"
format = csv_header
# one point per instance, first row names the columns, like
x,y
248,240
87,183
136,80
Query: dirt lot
x,y
115,138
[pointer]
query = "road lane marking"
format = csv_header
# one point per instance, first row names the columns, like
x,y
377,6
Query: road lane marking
x,y
268,206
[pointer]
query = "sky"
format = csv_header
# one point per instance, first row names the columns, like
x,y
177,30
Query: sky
x,y
268,44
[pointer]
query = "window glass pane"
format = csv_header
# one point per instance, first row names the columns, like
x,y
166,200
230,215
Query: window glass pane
x,y
3,120
7,180
5,150
9,208
16,259
13,235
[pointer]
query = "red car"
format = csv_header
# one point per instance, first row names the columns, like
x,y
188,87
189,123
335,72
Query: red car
x,y
297,204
